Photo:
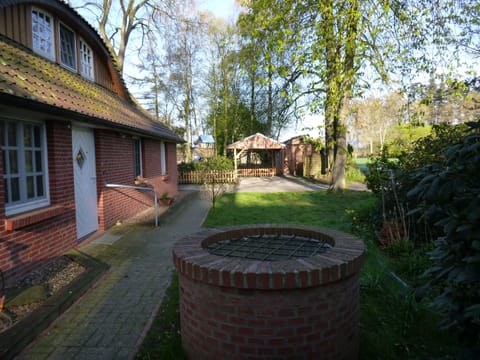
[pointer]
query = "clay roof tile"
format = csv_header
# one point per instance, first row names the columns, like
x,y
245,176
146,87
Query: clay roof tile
x,y
30,76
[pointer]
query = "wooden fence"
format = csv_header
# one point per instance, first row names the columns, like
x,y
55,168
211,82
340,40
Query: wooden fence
x,y
222,177
257,172
200,177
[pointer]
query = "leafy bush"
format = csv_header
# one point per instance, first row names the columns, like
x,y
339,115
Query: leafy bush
x,y
449,195
392,178
186,166
402,137
217,163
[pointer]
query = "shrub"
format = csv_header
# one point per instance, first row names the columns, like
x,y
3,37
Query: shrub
x,y
217,163
449,197
392,178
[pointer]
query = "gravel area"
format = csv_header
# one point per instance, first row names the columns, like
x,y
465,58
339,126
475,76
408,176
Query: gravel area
x,y
53,276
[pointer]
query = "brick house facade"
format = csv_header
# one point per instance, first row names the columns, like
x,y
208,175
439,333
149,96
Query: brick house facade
x,y
68,127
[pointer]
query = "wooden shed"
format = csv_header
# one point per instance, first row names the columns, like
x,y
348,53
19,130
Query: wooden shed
x,y
258,155
301,158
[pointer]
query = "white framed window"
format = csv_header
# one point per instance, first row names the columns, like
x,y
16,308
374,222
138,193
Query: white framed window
x,y
86,60
163,158
137,157
42,34
68,48
25,170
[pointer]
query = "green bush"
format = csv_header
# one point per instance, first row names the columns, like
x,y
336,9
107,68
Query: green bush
x,y
449,197
390,179
186,166
217,163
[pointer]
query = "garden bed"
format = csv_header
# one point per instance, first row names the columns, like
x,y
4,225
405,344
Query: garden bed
x,y
43,295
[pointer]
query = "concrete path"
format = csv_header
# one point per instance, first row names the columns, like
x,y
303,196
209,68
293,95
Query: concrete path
x,y
109,322
276,184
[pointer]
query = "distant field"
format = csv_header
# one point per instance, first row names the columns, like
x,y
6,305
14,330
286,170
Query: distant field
x,y
362,164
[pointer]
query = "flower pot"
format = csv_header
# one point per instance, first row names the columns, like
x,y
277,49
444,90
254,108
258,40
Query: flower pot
x,y
166,201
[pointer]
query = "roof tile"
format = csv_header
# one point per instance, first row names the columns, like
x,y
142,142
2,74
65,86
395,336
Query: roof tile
x,y
28,75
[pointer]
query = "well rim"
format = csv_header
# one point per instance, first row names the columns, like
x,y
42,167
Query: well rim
x,y
343,260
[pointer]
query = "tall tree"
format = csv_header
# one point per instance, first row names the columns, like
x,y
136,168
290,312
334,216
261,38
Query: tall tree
x,y
117,21
328,44
181,37
374,118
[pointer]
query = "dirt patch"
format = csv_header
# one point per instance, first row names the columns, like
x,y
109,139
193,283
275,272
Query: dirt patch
x,y
34,289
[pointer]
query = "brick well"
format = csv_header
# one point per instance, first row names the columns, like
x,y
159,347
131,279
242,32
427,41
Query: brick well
x,y
301,308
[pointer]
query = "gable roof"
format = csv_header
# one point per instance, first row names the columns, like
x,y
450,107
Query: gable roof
x,y
257,142
30,81
27,76
205,139
68,12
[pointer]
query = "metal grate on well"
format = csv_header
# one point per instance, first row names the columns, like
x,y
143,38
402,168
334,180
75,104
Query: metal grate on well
x,y
269,247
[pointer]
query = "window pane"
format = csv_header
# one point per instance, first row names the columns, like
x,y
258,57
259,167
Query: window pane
x,y
37,136
67,47
28,162
12,134
13,158
27,135
42,29
30,187
86,61
38,161
40,186
137,157
15,187
24,168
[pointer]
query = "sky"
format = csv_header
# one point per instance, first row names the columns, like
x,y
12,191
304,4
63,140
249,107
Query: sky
x,y
221,8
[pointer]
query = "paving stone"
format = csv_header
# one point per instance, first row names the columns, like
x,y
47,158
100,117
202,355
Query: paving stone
x,y
109,320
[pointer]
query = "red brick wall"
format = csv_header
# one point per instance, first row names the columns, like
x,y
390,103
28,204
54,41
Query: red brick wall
x,y
23,249
28,247
296,308
308,323
114,153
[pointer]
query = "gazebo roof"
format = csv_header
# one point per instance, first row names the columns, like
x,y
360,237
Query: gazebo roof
x,y
256,142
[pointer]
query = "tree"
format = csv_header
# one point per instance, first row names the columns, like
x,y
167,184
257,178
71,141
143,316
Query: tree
x,y
264,65
374,118
116,30
180,36
328,44
318,40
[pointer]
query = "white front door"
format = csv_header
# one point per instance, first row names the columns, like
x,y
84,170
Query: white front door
x,y
85,180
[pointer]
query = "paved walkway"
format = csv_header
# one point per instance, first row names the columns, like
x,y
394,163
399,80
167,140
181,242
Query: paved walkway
x,y
109,322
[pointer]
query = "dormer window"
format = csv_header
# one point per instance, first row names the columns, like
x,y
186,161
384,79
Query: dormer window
x,y
42,29
67,47
86,60
54,40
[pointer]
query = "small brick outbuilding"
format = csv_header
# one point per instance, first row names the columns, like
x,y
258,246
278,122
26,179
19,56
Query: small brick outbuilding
x,y
69,127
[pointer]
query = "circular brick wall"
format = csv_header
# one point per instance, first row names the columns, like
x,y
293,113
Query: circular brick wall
x,y
303,308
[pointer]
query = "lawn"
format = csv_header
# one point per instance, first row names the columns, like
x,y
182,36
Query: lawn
x,y
393,325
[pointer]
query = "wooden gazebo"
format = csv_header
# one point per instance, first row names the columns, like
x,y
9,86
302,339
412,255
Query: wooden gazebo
x,y
257,155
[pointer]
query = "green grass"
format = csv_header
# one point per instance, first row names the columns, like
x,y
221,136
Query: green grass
x,y
392,324
318,208
163,340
